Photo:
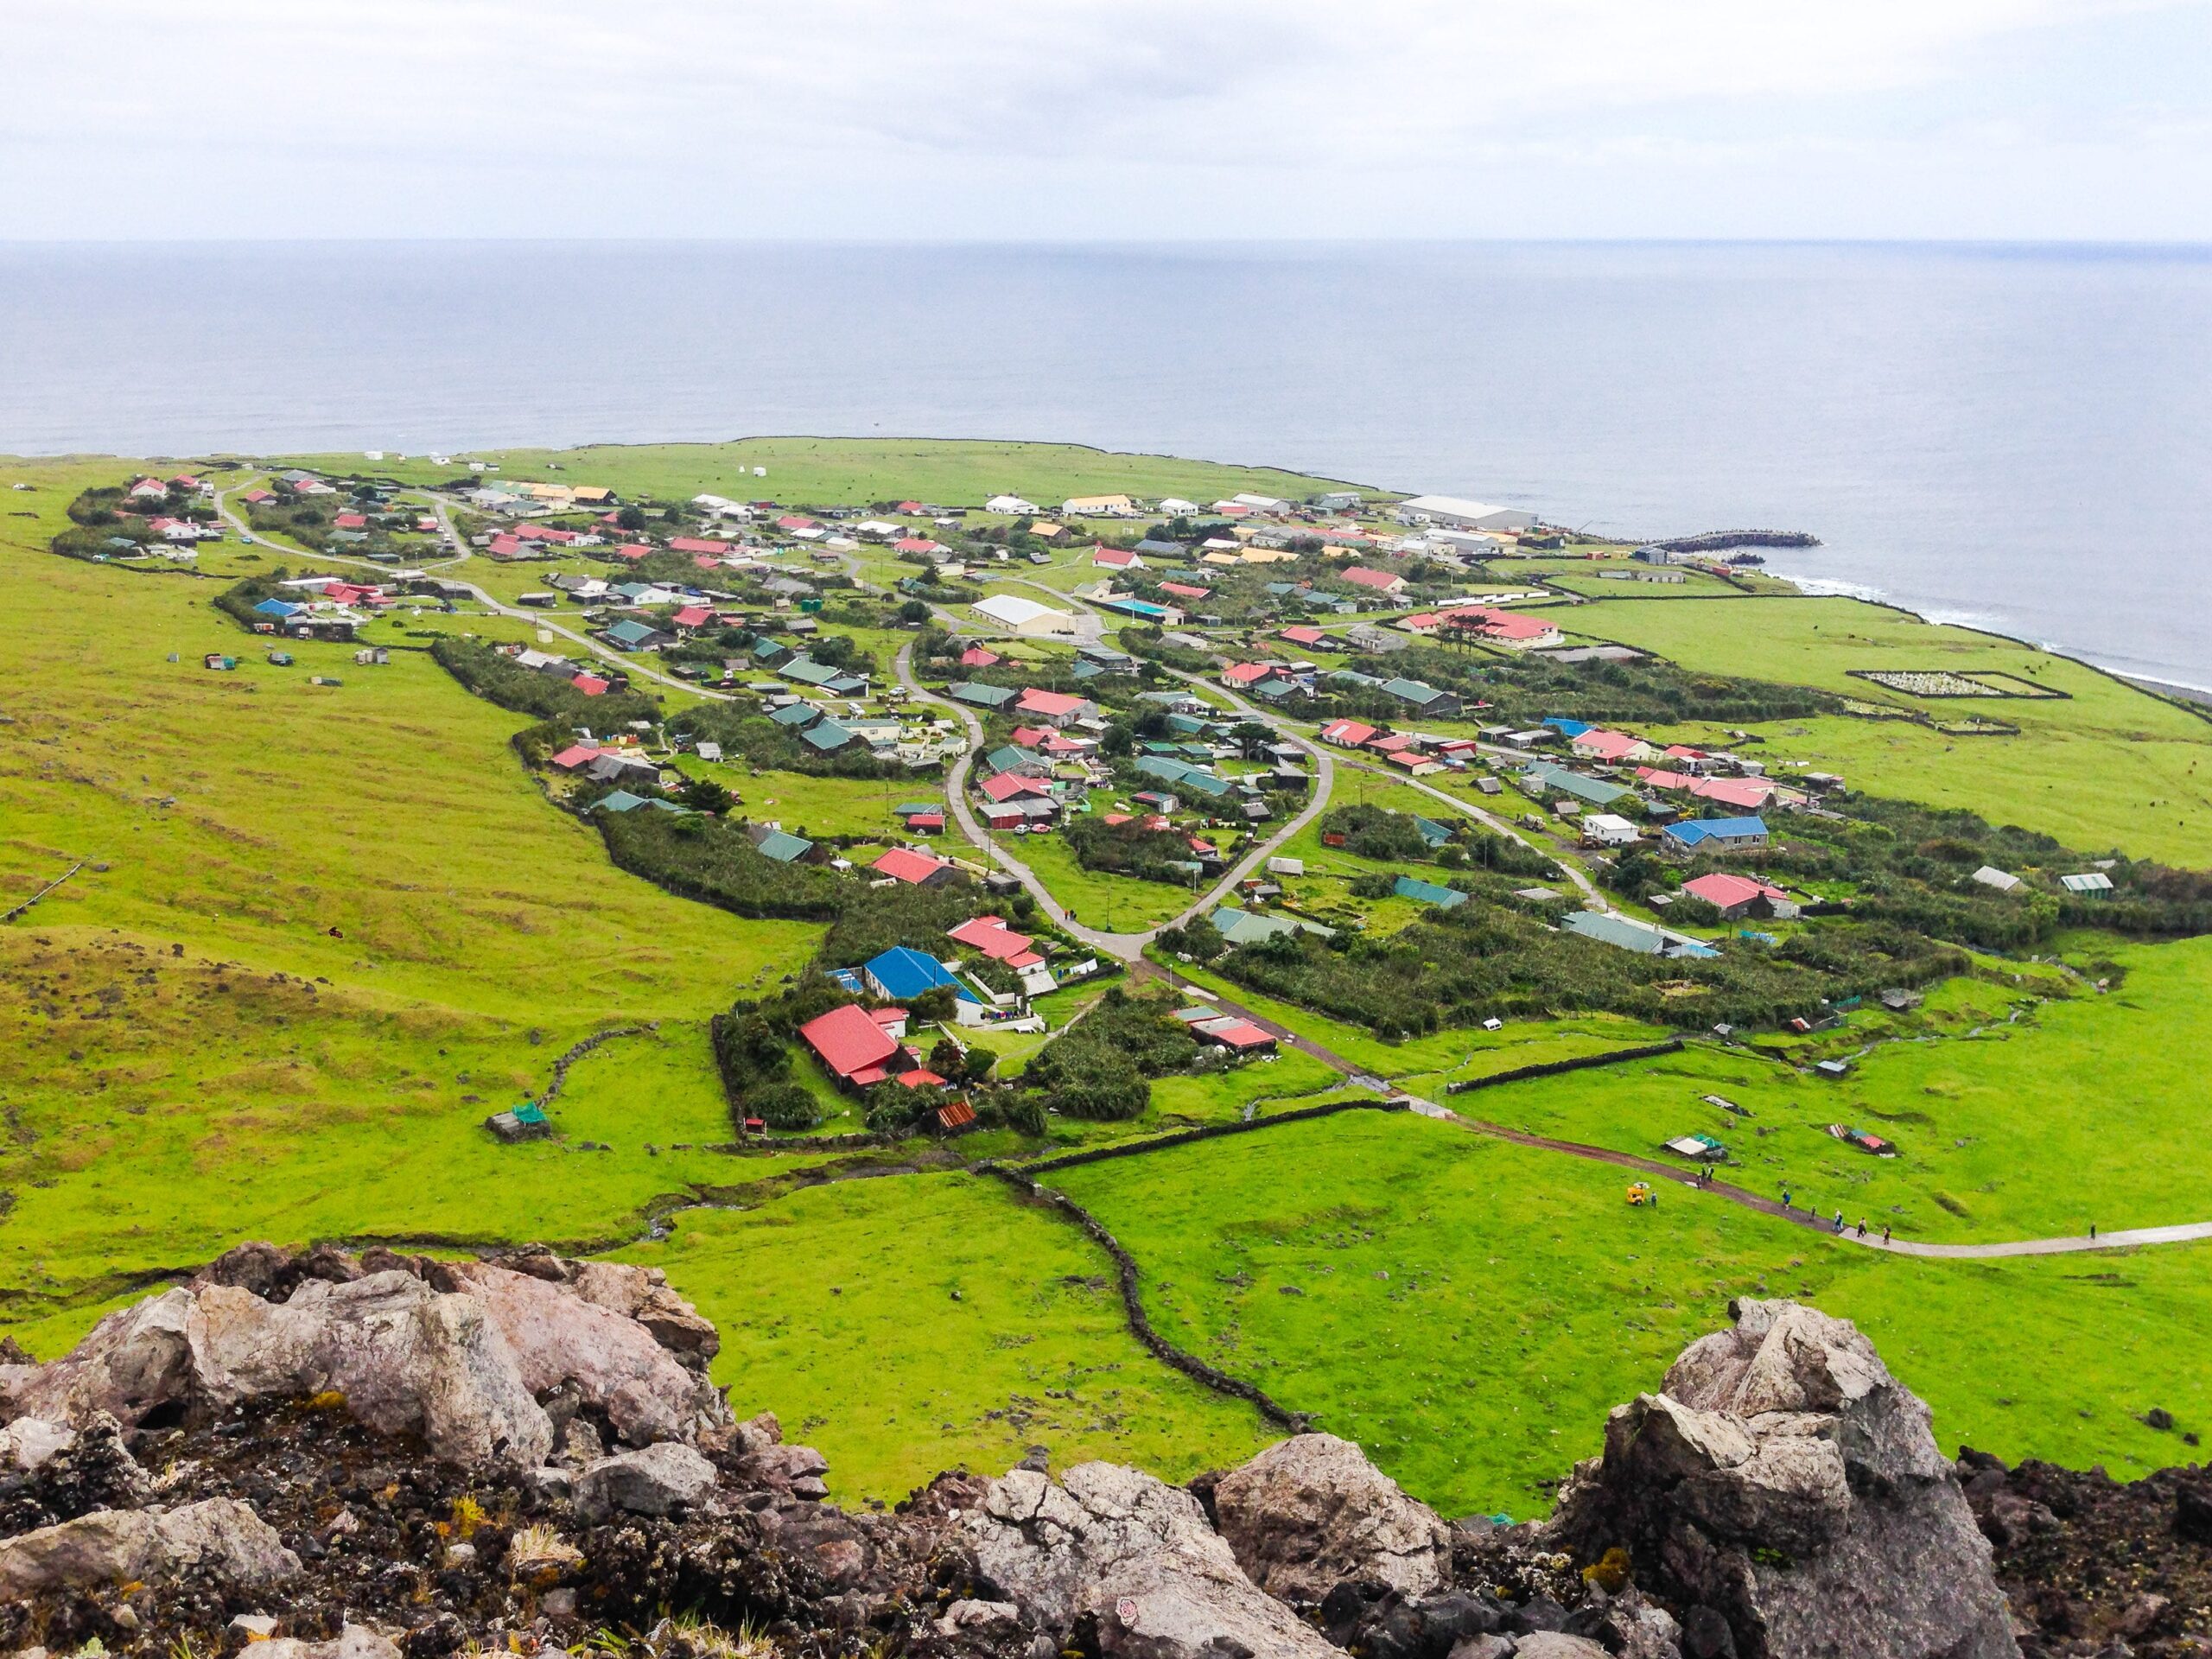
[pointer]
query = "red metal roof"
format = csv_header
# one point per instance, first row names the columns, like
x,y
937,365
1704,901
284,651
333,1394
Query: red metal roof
x,y
848,1040
692,616
577,754
1724,892
991,936
1035,701
590,684
696,544
907,865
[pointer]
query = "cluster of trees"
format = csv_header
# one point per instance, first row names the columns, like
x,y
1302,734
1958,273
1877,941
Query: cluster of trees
x,y
1482,960
1100,1068
1523,688
743,728
497,677
699,856
1129,849
1378,833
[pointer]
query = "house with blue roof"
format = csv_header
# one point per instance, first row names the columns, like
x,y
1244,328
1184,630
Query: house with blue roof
x,y
279,609
1565,727
901,974
1713,835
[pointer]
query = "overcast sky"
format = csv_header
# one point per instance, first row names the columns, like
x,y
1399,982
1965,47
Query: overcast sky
x,y
1115,119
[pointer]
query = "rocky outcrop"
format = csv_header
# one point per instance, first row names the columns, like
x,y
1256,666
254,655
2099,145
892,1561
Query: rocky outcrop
x,y
480,1359
340,1457
1311,1511
1116,1550
219,1539
1785,1485
661,1479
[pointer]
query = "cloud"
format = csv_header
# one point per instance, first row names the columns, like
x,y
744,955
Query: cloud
x,y
599,114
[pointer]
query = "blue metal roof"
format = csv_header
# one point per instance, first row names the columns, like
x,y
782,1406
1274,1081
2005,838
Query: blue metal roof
x,y
902,973
1696,830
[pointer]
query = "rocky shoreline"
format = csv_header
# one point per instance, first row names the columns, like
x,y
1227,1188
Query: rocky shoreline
x,y
371,1457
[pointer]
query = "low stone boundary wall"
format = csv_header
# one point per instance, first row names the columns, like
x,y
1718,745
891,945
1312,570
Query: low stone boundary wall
x,y
1555,1068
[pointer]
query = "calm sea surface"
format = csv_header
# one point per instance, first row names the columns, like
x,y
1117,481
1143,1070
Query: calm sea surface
x,y
2017,437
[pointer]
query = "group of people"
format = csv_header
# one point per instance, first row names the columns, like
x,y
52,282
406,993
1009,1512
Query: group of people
x,y
1838,1225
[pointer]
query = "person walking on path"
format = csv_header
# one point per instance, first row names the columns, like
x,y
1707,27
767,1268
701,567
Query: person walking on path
x,y
2093,1229
1862,1226
1885,1232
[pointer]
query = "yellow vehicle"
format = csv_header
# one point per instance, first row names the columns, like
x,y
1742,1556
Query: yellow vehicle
x,y
1640,1192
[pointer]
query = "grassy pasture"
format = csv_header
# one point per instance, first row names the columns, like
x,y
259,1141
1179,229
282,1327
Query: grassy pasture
x,y
1468,1310
2107,765
903,1325
829,472
2084,1110
374,842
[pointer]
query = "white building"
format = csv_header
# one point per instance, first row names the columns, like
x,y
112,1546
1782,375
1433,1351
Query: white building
x,y
1456,512
1024,616
1012,503
1606,829
1174,506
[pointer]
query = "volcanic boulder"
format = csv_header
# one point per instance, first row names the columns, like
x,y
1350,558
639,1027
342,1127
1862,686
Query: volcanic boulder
x,y
1786,1481
1311,1510
1115,1549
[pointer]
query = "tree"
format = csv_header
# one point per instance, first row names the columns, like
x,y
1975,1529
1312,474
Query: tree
x,y
705,795
784,1106
632,518
1118,740
947,1060
914,612
937,1003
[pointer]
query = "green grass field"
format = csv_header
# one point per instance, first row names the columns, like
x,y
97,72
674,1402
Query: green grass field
x,y
441,931
2084,1110
904,1325
832,471
1468,1310
2107,765
318,933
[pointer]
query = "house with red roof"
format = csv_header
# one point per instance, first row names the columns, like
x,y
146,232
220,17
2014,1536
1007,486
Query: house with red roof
x,y
576,756
851,1044
916,870
976,656
1614,748
1115,558
1380,581
991,936
1012,785
696,544
793,521
1183,591
350,521
1349,733
1735,896
255,498
918,544
1514,630
1414,763
692,616
1304,635
1244,675
590,684
1057,708
504,547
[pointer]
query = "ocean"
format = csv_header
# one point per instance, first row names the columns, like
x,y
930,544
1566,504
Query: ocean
x,y
2018,438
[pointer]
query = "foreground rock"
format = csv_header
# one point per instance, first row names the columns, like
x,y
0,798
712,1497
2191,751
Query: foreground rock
x,y
1119,1551
482,1360
1785,1485
219,1539
332,1457
1311,1511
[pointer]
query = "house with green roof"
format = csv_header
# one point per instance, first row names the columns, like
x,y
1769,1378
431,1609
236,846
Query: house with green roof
x,y
1428,892
1421,698
1545,781
979,695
